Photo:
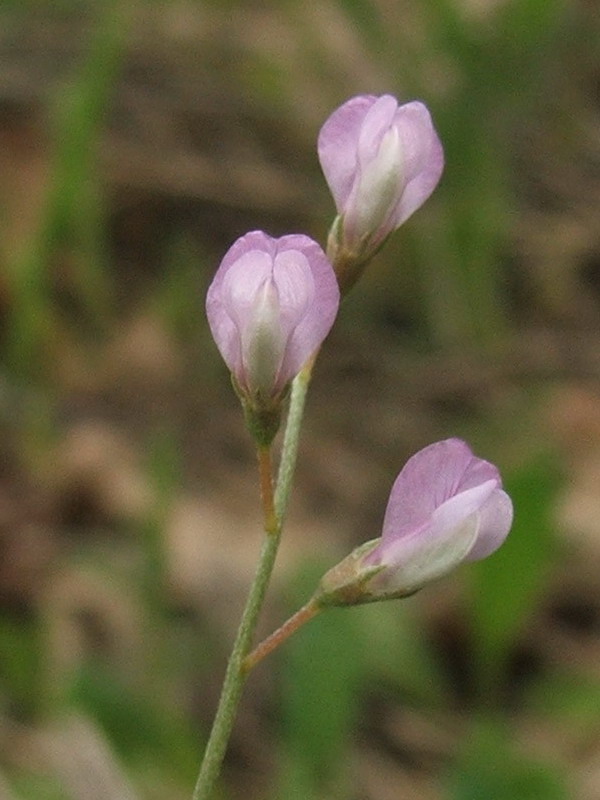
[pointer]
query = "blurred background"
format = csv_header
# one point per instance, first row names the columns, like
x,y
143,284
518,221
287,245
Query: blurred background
x,y
137,141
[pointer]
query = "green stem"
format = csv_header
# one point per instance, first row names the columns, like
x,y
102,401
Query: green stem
x,y
291,438
235,674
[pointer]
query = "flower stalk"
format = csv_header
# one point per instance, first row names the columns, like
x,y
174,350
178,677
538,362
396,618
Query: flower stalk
x,y
235,674
274,503
272,642
265,472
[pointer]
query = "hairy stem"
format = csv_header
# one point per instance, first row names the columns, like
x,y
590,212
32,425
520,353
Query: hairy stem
x,y
235,675
291,438
274,508
265,472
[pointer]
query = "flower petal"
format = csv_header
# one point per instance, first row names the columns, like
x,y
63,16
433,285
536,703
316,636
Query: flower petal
x,y
424,559
434,550
380,175
381,161
231,298
446,507
375,124
338,146
424,158
263,339
269,307
428,479
320,313
495,520
449,516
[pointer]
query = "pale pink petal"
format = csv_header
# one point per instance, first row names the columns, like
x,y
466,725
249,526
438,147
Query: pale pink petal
x,y
320,314
442,523
424,159
428,479
292,275
495,521
425,561
376,122
338,146
446,507
224,326
381,161
269,307
379,179
242,281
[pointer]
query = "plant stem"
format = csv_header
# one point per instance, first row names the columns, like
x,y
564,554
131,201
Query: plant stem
x,y
291,438
274,508
301,617
235,675
265,472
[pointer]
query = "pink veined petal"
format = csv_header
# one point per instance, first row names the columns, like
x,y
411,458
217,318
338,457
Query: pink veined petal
x,y
427,480
254,240
320,314
230,303
379,178
224,329
338,146
424,158
241,283
376,122
477,472
431,552
448,517
263,341
250,322
426,560
295,285
494,524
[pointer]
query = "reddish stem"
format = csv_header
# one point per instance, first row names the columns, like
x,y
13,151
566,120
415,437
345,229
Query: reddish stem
x,y
301,617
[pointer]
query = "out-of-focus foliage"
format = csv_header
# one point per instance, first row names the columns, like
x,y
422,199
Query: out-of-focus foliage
x,y
504,589
491,768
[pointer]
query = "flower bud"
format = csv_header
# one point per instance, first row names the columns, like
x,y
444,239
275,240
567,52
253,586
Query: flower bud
x,y
381,161
270,306
446,507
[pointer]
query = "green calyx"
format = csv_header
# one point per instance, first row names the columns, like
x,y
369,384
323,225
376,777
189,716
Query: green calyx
x,y
263,423
262,415
349,583
348,263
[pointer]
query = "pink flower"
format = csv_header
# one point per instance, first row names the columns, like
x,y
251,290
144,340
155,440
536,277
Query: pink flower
x,y
446,506
381,161
269,307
